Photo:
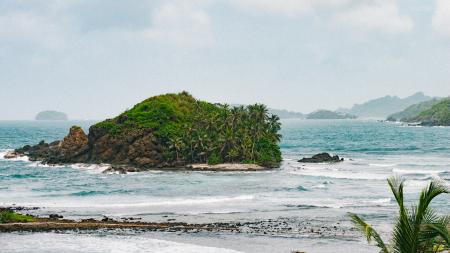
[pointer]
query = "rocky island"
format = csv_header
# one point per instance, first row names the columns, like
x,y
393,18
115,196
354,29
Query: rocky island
x,y
171,131
51,115
325,114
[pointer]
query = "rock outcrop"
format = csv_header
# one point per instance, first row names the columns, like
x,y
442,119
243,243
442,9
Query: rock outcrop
x,y
138,148
322,158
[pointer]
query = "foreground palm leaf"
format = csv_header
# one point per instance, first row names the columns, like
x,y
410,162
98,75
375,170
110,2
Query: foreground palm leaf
x,y
417,230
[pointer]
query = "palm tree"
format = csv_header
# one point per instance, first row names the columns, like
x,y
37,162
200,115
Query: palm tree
x,y
418,229
274,128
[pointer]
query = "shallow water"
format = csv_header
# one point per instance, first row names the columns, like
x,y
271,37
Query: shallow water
x,y
320,193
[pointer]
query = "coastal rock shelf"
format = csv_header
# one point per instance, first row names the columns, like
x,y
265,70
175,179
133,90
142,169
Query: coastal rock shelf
x,y
286,227
171,131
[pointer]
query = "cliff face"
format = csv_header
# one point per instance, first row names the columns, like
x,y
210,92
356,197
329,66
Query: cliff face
x,y
171,130
135,147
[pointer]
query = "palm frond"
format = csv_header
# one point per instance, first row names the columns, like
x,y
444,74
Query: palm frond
x,y
403,235
396,184
403,239
369,232
440,229
434,189
417,230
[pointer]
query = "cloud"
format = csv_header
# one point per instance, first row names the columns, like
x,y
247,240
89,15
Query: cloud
x,y
26,27
290,8
441,17
182,24
283,7
381,15
52,25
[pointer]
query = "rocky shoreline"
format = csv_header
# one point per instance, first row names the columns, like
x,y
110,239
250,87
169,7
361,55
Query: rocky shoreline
x,y
125,169
285,227
74,149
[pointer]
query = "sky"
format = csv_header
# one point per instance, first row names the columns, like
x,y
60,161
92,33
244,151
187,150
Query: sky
x,y
95,58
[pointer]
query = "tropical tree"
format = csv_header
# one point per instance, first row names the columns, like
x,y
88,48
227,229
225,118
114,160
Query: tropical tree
x,y
417,229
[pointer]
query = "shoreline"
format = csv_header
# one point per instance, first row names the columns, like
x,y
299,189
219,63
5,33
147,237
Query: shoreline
x,y
46,225
12,155
288,227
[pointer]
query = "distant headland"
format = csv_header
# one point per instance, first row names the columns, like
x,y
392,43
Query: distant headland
x,y
434,112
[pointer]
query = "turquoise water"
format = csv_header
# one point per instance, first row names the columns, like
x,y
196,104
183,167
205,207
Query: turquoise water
x,y
322,194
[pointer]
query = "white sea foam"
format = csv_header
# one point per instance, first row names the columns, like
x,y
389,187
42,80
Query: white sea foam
x,y
319,186
20,158
77,243
43,165
338,203
321,172
91,168
152,202
415,171
382,165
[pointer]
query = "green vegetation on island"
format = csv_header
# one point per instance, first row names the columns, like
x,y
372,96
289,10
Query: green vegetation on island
x,y
412,111
51,115
194,131
437,115
325,114
416,230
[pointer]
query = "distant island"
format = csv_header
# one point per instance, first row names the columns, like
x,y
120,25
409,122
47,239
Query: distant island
x,y
285,114
325,114
171,131
281,113
51,115
385,106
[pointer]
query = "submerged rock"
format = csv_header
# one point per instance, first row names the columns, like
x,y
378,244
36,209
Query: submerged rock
x,y
322,158
119,170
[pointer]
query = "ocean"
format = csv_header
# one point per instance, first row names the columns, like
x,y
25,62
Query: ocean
x,y
296,207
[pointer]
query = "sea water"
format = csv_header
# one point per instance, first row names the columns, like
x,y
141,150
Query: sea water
x,y
319,195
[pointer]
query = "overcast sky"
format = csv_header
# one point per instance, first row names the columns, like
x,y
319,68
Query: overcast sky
x,y
94,58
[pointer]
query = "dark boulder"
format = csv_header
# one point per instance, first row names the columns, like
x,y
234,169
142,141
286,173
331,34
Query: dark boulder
x,y
55,216
322,158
